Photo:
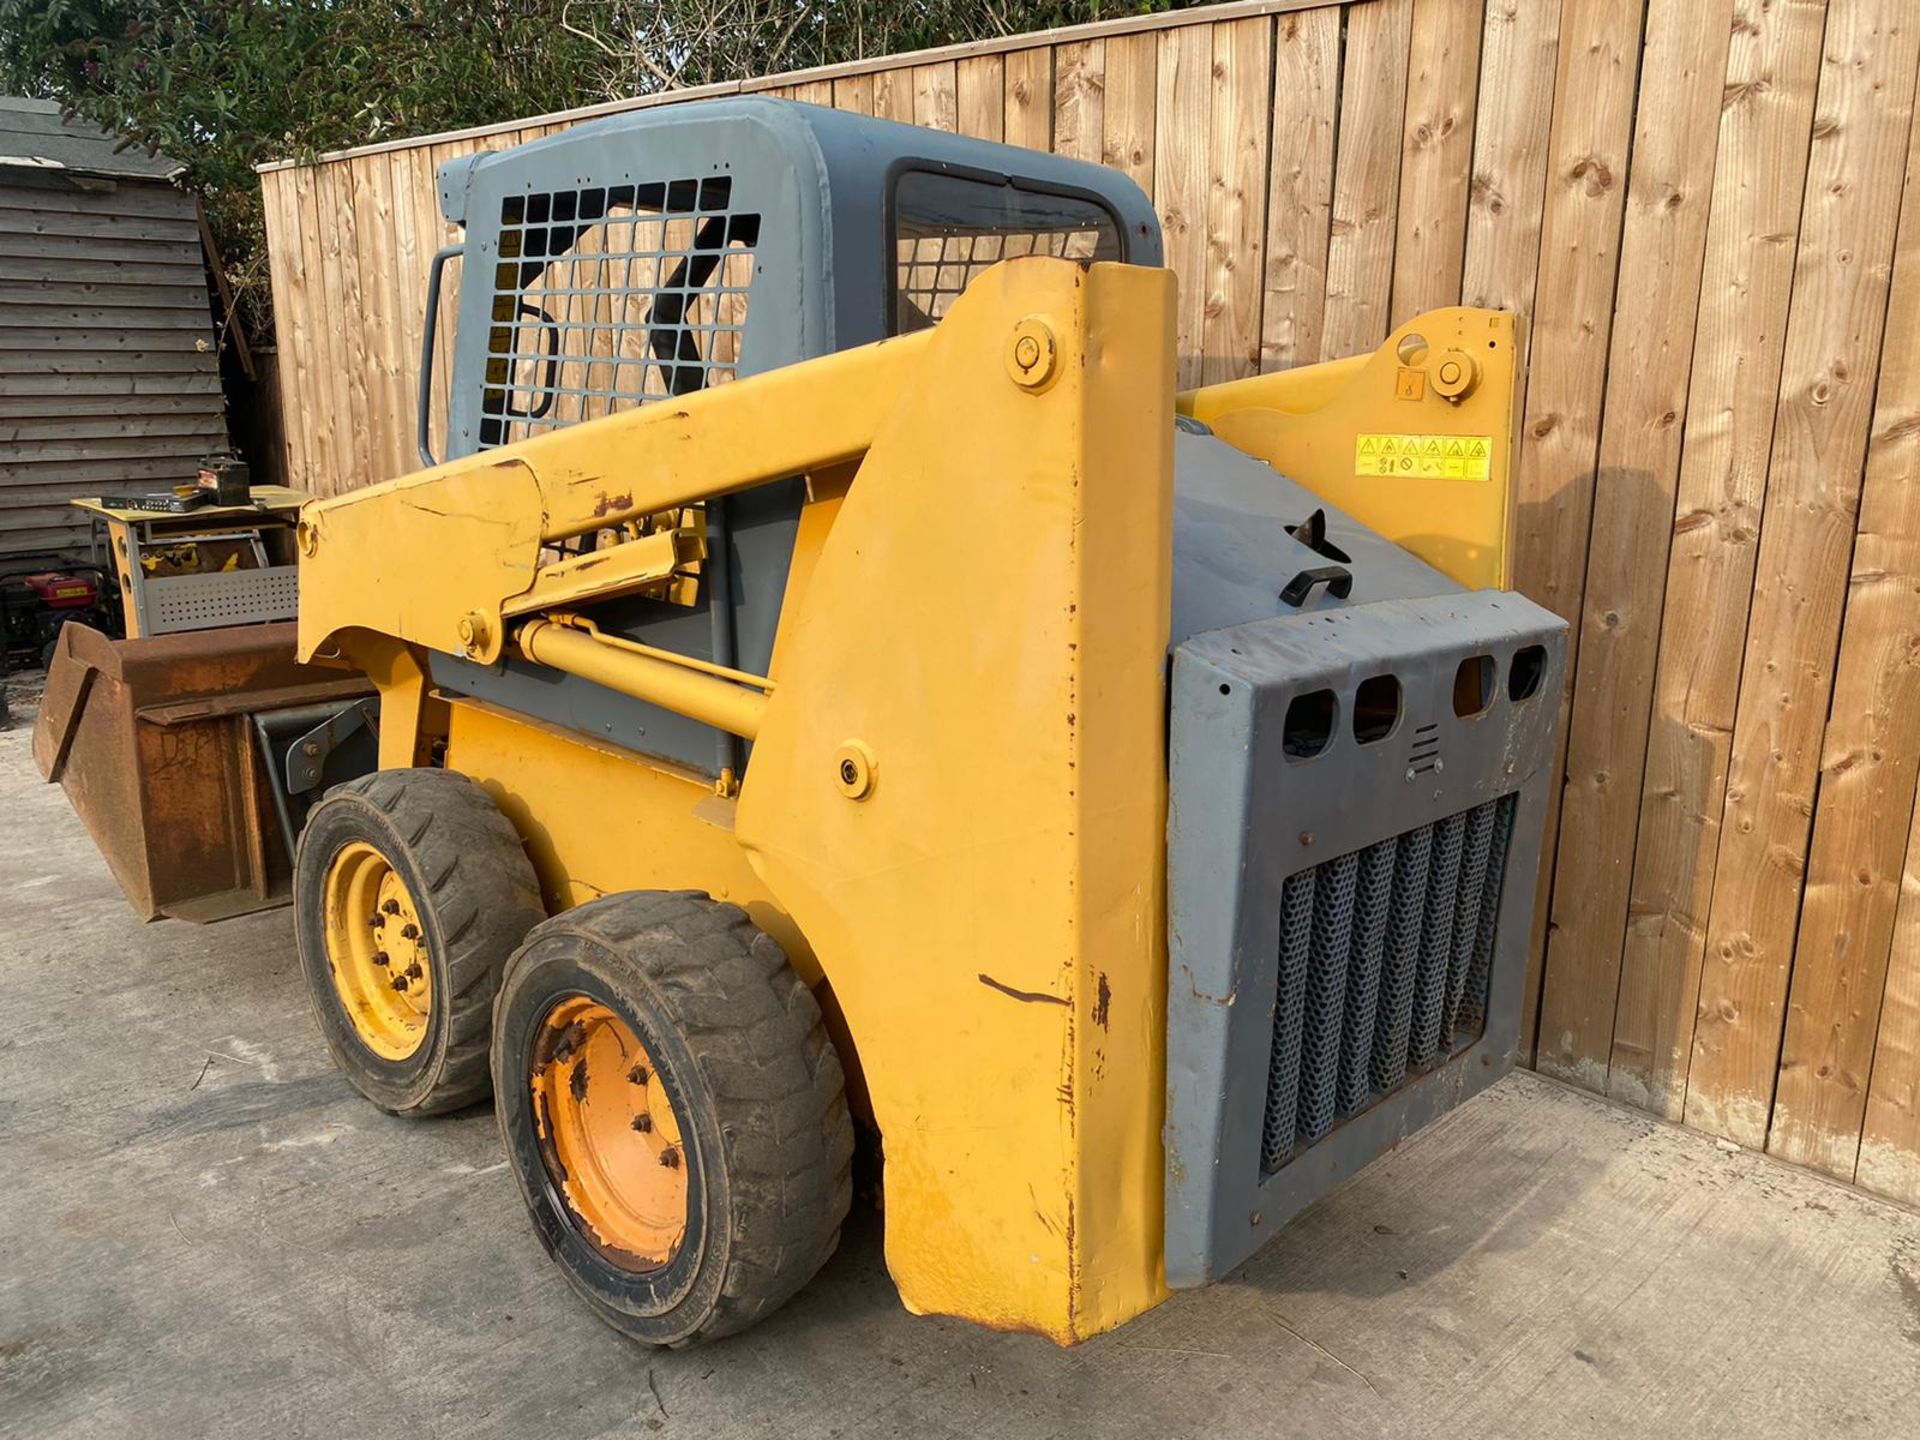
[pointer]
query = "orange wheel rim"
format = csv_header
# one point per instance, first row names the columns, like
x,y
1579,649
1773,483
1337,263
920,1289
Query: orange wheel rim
x,y
377,951
608,1134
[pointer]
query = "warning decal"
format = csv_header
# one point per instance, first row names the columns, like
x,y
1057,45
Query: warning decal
x,y
1432,457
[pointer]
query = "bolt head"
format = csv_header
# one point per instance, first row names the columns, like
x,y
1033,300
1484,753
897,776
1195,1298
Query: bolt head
x,y
380,958
1033,354
310,749
670,1158
643,1123
638,1075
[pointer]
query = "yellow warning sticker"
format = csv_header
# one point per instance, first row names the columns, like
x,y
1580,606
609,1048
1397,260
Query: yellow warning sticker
x,y
1430,457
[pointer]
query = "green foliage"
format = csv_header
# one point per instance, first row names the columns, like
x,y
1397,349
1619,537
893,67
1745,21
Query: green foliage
x,y
222,87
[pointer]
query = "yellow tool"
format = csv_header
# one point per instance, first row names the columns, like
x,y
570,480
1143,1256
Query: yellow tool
x,y
1119,806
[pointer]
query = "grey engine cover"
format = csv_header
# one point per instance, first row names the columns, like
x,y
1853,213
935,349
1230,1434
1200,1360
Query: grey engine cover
x,y
1350,887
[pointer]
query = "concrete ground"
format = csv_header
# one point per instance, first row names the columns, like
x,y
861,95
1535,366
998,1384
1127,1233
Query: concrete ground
x,y
204,1232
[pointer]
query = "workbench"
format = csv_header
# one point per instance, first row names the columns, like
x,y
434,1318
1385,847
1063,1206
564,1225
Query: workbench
x,y
212,566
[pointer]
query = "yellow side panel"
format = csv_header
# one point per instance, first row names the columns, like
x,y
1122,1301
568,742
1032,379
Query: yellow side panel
x,y
987,619
1376,436
598,820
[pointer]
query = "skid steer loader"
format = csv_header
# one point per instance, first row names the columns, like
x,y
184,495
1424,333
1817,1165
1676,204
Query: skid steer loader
x,y
1126,803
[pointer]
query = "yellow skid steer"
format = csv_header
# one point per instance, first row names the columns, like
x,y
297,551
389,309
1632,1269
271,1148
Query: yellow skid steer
x,y
834,678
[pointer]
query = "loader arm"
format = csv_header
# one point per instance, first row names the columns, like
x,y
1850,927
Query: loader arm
x,y
1416,440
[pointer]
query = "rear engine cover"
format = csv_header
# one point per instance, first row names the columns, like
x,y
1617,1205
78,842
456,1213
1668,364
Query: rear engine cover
x,y
1357,796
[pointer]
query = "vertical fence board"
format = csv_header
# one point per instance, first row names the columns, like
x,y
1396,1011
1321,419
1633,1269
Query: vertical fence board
x,y
1442,79
1662,246
1030,98
1236,198
1128,107
345,416
1767,108
410,295
1820,433
893,95
1869,763
855,93
1078,99
982,102
1572,323
292,308
1890,1137
1366,181
1181,112
1513,121
935,103
368,180
1306,100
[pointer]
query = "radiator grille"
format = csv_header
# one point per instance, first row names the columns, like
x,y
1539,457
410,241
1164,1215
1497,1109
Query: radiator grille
x,y
1384,960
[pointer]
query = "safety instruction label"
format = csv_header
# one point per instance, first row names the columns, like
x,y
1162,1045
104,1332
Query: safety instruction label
x,y
1434,457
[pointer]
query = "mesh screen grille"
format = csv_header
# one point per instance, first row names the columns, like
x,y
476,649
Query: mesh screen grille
x,y
1385,955
610,297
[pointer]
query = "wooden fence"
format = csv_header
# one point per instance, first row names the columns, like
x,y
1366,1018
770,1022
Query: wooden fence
x,y
1699,204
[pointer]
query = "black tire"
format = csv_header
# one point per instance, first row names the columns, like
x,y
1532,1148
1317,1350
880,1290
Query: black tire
x,y
468,874
757,1089
48,651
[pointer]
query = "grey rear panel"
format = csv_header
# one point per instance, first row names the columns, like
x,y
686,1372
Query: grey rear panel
x,y
1347,928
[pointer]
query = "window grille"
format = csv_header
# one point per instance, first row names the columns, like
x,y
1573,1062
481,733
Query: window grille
x,y
610,297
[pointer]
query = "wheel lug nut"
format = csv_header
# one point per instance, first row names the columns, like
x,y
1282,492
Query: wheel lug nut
x,y
410,931
380,957
638,1075
392,907
400,982
670,1158
378,920
413,971
643,1123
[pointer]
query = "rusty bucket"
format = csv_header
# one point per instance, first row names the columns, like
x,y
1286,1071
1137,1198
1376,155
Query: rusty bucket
x,y
154,742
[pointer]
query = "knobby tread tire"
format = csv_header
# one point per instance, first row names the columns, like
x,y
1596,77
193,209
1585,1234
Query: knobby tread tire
x,y
768,1072
470,870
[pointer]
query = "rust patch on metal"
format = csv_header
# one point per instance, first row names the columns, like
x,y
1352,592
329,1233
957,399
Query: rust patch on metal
x,y
1102,999
608,504
152,741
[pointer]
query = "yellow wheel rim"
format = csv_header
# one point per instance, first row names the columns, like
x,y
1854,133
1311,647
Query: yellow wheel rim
x,y
377,950
608,1134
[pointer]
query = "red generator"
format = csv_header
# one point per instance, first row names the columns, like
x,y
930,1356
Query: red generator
x,y
34,604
